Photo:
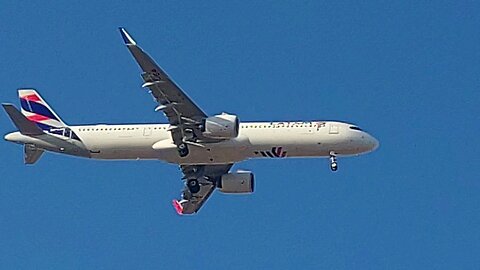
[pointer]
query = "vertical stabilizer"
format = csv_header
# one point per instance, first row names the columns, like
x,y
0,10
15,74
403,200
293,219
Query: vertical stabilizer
x,y
37,110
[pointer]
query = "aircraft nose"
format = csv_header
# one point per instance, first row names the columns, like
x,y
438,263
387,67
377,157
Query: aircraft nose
x,y
373,142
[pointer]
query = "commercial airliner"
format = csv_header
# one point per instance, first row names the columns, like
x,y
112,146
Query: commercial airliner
x,y
205,147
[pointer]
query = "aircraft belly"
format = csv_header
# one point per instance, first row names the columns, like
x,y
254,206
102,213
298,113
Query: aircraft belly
x,y
57,144
215,153
111,146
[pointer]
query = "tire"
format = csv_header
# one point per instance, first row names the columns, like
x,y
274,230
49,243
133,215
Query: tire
x,y
183,150
334,166
193,186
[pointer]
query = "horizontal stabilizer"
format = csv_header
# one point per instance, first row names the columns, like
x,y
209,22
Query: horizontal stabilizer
x,y
25,126
32,153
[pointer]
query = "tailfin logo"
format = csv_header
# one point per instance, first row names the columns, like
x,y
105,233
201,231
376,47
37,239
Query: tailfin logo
x,y
277,152
37,110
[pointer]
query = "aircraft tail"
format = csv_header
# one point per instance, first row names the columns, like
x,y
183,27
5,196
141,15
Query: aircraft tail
x,y
37,110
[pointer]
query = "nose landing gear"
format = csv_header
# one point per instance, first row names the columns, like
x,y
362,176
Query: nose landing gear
x,y
333,162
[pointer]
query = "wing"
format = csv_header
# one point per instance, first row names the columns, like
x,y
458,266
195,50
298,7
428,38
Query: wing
x,y
200,182
183,114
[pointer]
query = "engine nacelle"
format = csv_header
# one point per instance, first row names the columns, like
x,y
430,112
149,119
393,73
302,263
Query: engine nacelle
x,y
239,182
222,126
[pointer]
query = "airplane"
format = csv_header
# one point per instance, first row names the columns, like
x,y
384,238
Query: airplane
x,y
204,147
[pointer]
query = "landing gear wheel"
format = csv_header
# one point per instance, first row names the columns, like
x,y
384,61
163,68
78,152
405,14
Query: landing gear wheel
x,y
183,150
333,162
193,186
334,166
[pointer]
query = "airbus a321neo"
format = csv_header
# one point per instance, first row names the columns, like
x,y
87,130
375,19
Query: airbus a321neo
x,y
205,147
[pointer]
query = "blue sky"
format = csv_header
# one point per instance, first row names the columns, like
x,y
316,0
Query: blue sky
x,y
406,71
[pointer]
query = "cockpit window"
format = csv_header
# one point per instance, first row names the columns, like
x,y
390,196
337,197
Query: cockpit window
x,y
355,128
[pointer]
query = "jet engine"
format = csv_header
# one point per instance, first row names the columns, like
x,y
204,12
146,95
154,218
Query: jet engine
x,y
222,126
239,182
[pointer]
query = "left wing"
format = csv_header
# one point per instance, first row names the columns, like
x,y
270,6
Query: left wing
x,y
200,182
184,116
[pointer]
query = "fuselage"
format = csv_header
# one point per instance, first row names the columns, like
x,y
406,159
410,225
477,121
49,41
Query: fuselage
x,y
206,146
255,140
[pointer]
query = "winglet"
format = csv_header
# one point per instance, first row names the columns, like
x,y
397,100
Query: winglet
x,y
178,207
126,37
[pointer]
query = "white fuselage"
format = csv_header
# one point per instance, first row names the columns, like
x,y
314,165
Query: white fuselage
x,y
255,140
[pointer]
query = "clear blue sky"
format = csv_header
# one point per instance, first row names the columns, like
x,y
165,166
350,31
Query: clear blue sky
x,y
406,71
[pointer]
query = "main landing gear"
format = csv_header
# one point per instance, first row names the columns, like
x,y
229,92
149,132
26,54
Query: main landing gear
x,y
193,185
333,162
183,149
